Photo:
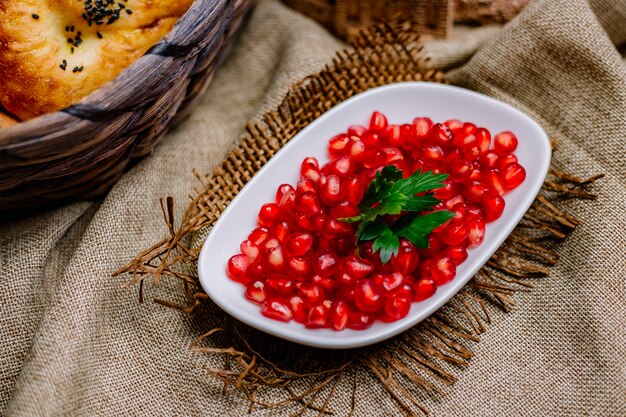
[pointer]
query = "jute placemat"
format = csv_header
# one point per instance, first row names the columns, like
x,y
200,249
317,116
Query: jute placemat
x,y
272,373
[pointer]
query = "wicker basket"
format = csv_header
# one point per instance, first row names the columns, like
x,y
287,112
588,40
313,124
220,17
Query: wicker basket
x,y
346,17
79,152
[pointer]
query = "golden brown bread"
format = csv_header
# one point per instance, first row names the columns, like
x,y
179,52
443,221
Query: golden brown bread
x,y
51,57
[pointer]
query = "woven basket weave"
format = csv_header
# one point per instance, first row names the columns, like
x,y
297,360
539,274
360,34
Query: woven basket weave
x,y
79,152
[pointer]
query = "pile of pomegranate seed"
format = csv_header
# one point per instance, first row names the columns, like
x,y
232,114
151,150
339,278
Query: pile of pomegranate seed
x,y
301,262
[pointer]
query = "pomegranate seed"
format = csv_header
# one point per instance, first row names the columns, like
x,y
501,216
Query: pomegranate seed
x,y
271,243
475,190
442,269
378,121
286,198
324,282
298,244
474,212
484,139
407,258
493,181
311,294
490,160
441,135
371,140
454,233
255,272
344,209
249,249
392,134
310,170
390,283
276,309
274,259
298,267
424,289
357,148
453,124
433,155
504,143
357,268
506,160
259,235
298,309
408,137
339,315
356,130
338,145
236,268
281,284
472,153
373,158
460,170
319,316
435,245
354,190
476,233
341,167
325,263
451,202
255,292
459,211
493,205
305,185
308,203
359,320
330,190
268,214
368,297
457,252
318,221
366,251
449,189
334,227
398,306
281,230
303,222
423,125
513,175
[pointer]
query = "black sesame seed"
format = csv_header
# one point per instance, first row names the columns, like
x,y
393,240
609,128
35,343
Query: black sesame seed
x,y
99,35
129,11
72,50
70,40
63,65
35,16
72,28
80,69
75,69
67,28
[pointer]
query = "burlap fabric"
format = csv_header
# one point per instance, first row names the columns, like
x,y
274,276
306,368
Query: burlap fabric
x,y
76,343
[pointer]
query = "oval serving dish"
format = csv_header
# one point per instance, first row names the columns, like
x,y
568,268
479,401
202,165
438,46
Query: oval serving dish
x,y
400,102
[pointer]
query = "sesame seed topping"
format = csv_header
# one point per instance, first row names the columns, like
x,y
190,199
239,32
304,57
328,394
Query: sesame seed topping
x,y
35,16
99,35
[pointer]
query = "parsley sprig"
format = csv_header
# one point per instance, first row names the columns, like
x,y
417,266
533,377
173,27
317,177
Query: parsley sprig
x,y
390,194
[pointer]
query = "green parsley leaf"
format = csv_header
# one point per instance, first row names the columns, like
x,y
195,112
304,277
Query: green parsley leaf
x,y
420,227
387,243
390,194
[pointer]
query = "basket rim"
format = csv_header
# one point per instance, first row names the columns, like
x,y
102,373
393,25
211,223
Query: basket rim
x,y
203,23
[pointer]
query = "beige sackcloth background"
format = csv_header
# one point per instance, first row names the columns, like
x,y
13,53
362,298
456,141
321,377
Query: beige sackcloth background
x,y
74,342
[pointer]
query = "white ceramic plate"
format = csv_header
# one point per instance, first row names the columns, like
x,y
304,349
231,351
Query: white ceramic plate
x,y
401,103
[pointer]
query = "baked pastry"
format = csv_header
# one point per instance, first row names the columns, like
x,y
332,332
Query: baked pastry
x,y
55,52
